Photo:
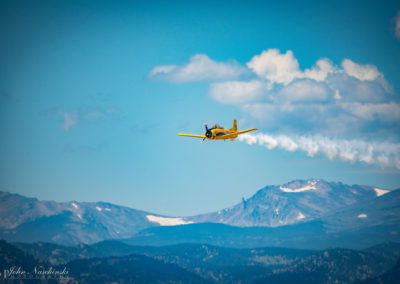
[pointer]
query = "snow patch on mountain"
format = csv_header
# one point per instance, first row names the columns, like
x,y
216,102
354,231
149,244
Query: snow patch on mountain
x,y
380,192
99,208
75,205
300,216
309,186
166,221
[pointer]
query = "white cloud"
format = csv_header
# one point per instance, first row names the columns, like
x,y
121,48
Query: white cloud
x,y
260,111
69,119
363,72
163,69
274,66
238,92
289,116
284,68
200,67
388,112
280,73
301,89
397,25
304,90
322,68
352,89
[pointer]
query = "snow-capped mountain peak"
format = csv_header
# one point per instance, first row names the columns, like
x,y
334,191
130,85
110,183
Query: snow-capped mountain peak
x,y
294,202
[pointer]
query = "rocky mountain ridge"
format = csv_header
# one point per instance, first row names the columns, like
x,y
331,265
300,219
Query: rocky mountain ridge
x,y
291,203
28,219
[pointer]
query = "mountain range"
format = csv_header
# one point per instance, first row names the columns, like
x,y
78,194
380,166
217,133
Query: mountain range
x,y
309,214
28,219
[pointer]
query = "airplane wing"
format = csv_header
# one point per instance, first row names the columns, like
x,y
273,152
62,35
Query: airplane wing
x,y
245,131
191,135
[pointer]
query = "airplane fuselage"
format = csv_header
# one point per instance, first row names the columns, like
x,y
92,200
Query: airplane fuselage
x,y
218,134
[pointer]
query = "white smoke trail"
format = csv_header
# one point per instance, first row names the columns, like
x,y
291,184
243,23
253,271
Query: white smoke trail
x,y
387,155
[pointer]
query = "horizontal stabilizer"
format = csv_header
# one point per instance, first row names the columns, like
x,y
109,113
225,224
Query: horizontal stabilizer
x,y
245,131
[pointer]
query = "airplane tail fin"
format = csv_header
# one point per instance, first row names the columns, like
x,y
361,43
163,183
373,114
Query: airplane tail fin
x,y
234,128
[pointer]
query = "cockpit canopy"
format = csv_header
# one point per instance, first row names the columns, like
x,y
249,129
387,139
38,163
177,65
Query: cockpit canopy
x,y
216,126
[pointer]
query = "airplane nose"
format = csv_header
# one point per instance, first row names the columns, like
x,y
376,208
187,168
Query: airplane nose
x,y
208,134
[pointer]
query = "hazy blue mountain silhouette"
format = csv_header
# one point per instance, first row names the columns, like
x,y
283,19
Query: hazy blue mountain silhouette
x,y
343,228
197,263
130,268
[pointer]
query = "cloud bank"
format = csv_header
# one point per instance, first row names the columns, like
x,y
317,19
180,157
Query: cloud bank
x,y
351,101
271,88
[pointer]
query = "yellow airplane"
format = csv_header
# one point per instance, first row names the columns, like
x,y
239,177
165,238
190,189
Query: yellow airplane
x,y
217,132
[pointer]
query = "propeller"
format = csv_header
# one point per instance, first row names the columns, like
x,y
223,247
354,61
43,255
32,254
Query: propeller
x,y
205,125
208,132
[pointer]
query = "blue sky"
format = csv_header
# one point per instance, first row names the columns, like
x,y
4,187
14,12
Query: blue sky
x,y
93,94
